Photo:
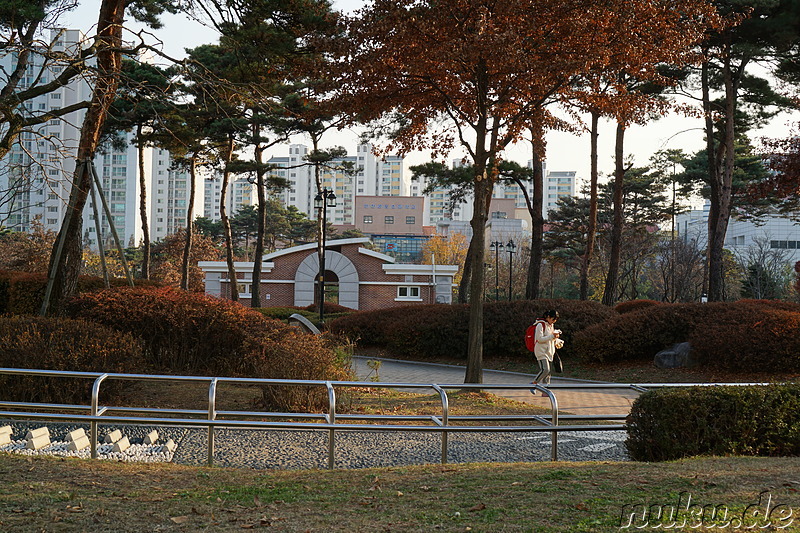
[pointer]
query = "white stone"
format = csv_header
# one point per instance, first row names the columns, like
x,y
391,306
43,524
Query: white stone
x,y
151,437
37,443
5,429
38,432
5,438
113,437
77,434
122,444
169,446
78,443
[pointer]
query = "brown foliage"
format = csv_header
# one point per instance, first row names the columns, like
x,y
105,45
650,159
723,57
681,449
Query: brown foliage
x,y
27,252
634,305
197,334
62,344
168,255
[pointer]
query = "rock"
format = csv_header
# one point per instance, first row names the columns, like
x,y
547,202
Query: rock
x,y
677,356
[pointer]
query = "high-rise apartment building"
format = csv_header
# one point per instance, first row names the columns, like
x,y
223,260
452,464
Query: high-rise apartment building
x,y
370,176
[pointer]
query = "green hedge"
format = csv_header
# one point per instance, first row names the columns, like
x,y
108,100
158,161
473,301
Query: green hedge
x,y
671,424
442,330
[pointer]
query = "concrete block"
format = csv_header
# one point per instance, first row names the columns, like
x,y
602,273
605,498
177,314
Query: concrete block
x,y
38,432
169,446
113,437
121,445
37,443
79,443
5,438
151,437
5,429
74,435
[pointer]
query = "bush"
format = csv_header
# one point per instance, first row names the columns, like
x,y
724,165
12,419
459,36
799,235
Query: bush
x,y
22,293
329,308
634,305
723,420
198,334
63,344
442,330
763,343
282,313
640,335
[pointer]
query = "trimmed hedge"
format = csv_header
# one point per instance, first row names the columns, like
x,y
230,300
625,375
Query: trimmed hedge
x,y
63,344
193,333
639,335
442,330
671,424
21,293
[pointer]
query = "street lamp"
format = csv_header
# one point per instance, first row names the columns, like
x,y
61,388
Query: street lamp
x,y
322,201
497,246
511,248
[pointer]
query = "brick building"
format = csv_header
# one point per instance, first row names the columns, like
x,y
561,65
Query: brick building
x,y
355,277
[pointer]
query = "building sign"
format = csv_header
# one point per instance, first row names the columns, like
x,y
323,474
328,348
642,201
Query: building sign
x,y
391,246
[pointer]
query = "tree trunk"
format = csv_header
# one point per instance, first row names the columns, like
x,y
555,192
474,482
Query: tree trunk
x,y
591,230
537,230
187,247
226,223
258,155
66,259
143,207
610,292
466,275
718,225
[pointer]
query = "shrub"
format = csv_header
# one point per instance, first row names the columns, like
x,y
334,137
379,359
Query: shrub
x,y
193,333
63,344
634,305
329,308
442,330
760,343
282,313
749,420
642,334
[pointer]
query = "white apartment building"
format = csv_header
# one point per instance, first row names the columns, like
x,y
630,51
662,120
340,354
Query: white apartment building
x,y
240,193
777,232
36,176
372,176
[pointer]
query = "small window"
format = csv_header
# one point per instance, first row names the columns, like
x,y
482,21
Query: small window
x,y
407,293
411,220
367,219
388,220
244,288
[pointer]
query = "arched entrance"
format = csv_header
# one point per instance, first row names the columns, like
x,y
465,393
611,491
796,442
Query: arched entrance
x,y
335,265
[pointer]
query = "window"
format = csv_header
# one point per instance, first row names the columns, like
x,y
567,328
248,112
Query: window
x,y
411,220
388,220
244,288
408,293
499,214
367,219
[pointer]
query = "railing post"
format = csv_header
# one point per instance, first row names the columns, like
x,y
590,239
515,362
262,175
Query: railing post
x,y
212,415
331,420
94,411
445,413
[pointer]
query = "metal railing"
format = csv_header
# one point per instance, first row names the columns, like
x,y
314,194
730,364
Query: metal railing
x,y
212,418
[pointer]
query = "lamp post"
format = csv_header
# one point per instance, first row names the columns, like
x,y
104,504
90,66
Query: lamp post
x,y
322,201
511,248
497,246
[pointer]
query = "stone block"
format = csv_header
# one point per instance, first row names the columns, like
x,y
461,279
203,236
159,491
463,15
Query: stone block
x,y
113,437
5,429
5,438
121,445
169,446
78,443
677,356
151,437
37,443
38,432
77,434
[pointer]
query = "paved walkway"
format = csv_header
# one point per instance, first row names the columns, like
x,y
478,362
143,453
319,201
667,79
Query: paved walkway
x,y
577,400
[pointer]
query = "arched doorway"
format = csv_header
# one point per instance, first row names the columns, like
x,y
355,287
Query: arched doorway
x,y
338,268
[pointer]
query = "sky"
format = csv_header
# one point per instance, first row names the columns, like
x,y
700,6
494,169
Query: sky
x,y
565,151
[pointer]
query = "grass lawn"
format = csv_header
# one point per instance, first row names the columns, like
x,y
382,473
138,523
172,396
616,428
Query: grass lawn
x,y
65,495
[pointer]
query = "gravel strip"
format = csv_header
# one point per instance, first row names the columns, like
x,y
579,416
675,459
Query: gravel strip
x,y
302,449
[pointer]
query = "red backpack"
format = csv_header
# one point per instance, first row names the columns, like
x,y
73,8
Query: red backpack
x,y
530,335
